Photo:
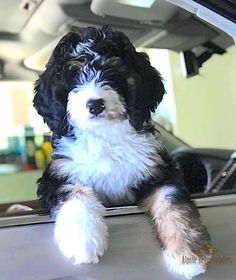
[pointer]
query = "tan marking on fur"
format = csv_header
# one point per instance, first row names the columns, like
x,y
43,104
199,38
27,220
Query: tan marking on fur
x,y
76,191
177,230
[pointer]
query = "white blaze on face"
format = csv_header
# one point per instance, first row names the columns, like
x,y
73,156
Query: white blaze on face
x,y
80,116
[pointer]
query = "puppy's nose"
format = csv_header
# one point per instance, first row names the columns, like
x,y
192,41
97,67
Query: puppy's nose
x,y
95,106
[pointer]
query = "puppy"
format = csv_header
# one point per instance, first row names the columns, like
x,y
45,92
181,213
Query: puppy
x,y
96,95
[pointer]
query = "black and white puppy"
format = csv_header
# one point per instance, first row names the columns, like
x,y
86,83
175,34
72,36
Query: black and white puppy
x,y
96,95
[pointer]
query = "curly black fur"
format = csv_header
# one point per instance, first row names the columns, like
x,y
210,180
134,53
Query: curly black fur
x,y
61,75
124,69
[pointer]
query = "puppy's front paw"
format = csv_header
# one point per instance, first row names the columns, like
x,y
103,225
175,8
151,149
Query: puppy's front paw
x,y
188,266
81,233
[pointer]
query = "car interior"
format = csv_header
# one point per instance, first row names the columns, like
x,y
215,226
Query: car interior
x,y
192,44
194,57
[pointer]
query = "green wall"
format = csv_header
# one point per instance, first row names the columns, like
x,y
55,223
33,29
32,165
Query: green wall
x,y
206,104
19,186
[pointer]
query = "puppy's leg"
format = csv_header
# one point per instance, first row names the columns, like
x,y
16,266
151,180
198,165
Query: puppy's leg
x,y
80,230
184,239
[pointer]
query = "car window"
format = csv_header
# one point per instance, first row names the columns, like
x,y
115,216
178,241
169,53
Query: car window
x,y
194,121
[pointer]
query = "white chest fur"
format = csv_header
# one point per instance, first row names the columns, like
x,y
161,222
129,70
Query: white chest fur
x,y
110,160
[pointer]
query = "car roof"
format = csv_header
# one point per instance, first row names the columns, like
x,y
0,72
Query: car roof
x,y
29,30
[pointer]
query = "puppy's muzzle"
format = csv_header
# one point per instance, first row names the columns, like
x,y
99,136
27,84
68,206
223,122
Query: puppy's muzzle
x,y
95,106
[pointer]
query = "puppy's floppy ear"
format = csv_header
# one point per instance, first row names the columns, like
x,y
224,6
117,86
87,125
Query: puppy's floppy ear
x,y
145,86
50,101
51,89
147,89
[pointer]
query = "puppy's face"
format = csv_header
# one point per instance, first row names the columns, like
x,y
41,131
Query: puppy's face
x,y
96,78
97,97
95,105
